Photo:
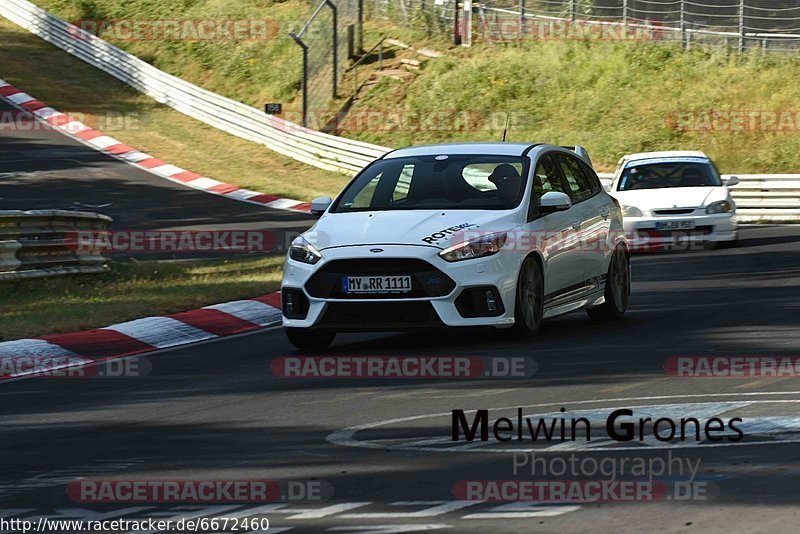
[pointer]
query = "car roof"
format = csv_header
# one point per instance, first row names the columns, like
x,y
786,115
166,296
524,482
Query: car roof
x,y
496,148
664,154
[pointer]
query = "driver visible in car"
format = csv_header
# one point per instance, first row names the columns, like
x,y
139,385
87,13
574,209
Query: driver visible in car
x,y
507,181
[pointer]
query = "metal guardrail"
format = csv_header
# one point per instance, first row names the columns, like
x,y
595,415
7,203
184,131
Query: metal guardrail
x,y
762,198
308,146
41,243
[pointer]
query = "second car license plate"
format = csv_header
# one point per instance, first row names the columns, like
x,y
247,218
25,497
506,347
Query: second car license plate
x,y
675,225
376,284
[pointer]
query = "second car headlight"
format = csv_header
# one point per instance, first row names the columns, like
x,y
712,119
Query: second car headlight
x,y
482,246
723,206
631,211
302,251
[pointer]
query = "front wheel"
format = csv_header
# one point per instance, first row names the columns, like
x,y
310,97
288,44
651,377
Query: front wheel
x,y
307,339
529,307
618,289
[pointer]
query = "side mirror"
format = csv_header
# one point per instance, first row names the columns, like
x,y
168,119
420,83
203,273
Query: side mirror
x,y
554,201
733,180
319,205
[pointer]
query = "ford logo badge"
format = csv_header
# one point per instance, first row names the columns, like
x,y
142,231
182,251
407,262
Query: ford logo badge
x,y
376,250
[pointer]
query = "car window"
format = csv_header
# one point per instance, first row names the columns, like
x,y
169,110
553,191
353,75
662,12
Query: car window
x,y
592,177
579,187
668,173
444,181
546,178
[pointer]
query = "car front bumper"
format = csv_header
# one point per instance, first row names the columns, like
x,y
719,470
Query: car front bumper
x,y
642,232
497,274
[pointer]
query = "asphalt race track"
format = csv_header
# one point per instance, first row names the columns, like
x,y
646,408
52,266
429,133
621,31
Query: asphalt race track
x,y
44,169
213,411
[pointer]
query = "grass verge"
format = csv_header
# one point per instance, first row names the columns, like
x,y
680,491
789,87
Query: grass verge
x,y
72,86
130,291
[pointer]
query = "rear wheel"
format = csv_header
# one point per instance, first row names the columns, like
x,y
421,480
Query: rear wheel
x,y
618,288
307,339
529,307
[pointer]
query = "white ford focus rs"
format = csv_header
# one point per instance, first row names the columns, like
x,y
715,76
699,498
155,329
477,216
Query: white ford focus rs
x,y
674,197
499,234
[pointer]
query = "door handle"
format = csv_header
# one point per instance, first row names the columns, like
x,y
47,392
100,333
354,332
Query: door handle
x,y
576,224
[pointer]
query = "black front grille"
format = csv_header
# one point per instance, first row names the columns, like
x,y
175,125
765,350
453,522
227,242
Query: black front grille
x,y
679,211
426,280
379,316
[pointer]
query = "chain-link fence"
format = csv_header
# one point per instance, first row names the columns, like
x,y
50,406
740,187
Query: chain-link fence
x,y
326,37
743,24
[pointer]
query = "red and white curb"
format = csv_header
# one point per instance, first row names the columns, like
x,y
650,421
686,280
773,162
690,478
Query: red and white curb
x,y
138,336
117,149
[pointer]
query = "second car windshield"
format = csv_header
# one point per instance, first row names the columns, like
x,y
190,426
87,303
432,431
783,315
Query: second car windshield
x,y
437,182
668,174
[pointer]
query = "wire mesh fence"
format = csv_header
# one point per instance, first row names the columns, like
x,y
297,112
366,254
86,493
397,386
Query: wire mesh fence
x,y
743,24
323,37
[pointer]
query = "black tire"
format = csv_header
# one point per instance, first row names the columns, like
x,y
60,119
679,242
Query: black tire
x,y
529,305
618,288
307,339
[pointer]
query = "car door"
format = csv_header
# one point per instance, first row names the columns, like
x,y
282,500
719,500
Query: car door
x,y
594,215
556,233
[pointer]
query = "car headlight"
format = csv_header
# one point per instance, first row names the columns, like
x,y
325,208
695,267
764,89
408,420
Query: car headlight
x,y
302,251
482,246
723,206
631,211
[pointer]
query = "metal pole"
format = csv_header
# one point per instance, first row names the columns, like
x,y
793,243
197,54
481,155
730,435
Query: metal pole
x,y
360,43
683,23
304,48
625,15
521,18
572,10
456,29
741,26
335,45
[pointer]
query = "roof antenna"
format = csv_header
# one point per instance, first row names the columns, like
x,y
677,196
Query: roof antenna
x,y
505,129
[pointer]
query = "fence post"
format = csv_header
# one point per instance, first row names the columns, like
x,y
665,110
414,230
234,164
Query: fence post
x,y
741,26
335,45
360,42
521,18
573,9
456,25
304,83
625,15
683,23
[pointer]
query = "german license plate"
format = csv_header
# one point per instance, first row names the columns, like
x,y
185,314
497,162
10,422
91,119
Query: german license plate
x,y
675,225
376,284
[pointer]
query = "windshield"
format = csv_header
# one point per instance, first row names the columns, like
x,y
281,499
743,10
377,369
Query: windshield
x,y
453,182
669,174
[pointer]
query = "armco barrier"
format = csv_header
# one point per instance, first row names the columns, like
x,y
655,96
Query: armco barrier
x,y
760,198
35,244
308,146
